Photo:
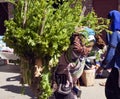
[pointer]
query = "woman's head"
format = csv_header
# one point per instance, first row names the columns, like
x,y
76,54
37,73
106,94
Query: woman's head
x,y
87,49
80,38
84,39
114,16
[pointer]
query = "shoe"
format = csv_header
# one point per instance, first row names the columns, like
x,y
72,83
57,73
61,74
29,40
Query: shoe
x,y
77,91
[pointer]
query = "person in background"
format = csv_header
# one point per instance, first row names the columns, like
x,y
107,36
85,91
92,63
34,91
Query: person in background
x,y
112,58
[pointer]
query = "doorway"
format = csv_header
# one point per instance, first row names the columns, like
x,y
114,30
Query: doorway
x,y
3,17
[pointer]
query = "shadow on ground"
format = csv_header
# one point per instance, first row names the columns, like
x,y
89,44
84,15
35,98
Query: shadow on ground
x,y
14,78
15,87
18,90
10,68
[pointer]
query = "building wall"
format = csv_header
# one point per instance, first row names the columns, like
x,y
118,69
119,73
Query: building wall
x,y
88,4
102,7
119,5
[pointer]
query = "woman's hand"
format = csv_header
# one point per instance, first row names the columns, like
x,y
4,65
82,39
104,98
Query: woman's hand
x,y
99,70
77,45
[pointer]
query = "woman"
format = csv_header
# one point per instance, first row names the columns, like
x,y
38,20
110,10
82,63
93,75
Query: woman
x,y
71,64
112,59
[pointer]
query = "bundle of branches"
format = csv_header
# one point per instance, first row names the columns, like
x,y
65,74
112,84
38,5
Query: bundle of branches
x,y
39,33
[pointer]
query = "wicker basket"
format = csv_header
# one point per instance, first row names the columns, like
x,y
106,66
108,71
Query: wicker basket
x,y
88,77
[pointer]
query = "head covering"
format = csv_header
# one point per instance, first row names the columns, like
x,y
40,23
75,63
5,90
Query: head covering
x,y
90,34
87,33
90,31
114,15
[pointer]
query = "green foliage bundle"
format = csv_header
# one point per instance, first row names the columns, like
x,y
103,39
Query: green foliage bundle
x,y
98,24
41,29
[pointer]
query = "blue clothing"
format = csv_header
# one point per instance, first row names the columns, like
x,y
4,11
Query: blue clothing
x,y
90,31
115,17
113,54
89,34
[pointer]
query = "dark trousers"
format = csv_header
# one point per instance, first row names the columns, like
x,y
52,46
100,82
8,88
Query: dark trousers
x,y
112,91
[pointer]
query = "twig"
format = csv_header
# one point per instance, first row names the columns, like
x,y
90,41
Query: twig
x,y
25,11
81,15
43,24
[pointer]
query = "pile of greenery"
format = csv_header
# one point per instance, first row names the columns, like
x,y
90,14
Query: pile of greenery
x,y
41,29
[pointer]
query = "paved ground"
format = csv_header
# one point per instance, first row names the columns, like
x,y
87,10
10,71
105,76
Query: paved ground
x,y
94,92
11,89
9,84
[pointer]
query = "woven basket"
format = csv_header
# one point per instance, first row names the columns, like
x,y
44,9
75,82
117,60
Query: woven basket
x,y
88,77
